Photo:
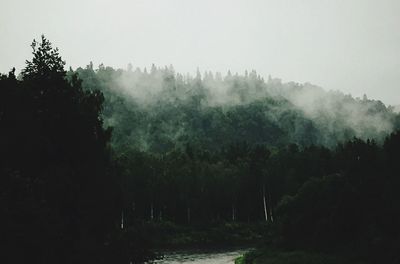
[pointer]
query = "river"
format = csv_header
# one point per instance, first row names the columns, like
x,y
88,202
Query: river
x,y
225,257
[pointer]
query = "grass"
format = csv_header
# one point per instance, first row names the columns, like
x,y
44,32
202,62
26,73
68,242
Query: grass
x,y
240,260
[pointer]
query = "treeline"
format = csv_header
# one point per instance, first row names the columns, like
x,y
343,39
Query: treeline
x,y
86,161
159,110
208,149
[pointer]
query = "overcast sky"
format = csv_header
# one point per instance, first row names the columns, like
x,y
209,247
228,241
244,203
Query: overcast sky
x,y
347,45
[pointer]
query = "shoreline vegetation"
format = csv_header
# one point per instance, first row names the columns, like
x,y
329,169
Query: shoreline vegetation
x,y
169,236
164,237
279,256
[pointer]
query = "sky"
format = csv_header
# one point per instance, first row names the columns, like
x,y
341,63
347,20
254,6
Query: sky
x,y
347,45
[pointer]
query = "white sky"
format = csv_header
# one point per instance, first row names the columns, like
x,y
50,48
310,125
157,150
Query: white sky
x,y
347,45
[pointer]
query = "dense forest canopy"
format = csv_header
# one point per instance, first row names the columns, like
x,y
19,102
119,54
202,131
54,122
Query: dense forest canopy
x,y
159,110
92,159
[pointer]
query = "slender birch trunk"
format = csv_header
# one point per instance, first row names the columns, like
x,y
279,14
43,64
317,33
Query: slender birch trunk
x,y
122,220
270,209
151,212
265,205
272,217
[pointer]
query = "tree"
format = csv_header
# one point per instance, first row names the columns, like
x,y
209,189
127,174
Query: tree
x,y
59,196
46,61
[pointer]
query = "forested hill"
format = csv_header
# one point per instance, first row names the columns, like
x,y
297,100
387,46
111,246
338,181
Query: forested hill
x,y
207,153
158,110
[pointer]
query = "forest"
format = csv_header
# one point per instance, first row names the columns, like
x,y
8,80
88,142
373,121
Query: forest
x,y
103,165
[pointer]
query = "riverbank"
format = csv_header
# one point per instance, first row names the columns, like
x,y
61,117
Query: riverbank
x,y
170,236
276,256
146,240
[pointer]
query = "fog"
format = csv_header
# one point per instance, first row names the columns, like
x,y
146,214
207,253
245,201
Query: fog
x,y
133,128
351,46
162,105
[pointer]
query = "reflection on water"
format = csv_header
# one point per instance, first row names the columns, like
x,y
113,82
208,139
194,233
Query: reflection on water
x,y
201,257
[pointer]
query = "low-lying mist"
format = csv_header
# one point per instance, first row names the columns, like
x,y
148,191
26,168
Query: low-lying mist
x,y
159,109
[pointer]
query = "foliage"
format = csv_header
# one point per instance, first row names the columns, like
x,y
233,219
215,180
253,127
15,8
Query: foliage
x,y
187,154
349,211
276,256
57,192
161,110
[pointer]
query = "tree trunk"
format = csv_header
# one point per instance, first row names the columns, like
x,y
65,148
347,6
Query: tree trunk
x,y
265,205
233,213
151,212
270,213
270,209
122,220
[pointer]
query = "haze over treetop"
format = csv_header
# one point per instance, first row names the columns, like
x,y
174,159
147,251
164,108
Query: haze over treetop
x,y
350,46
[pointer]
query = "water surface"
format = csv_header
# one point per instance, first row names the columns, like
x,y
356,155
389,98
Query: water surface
x,y
226,257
